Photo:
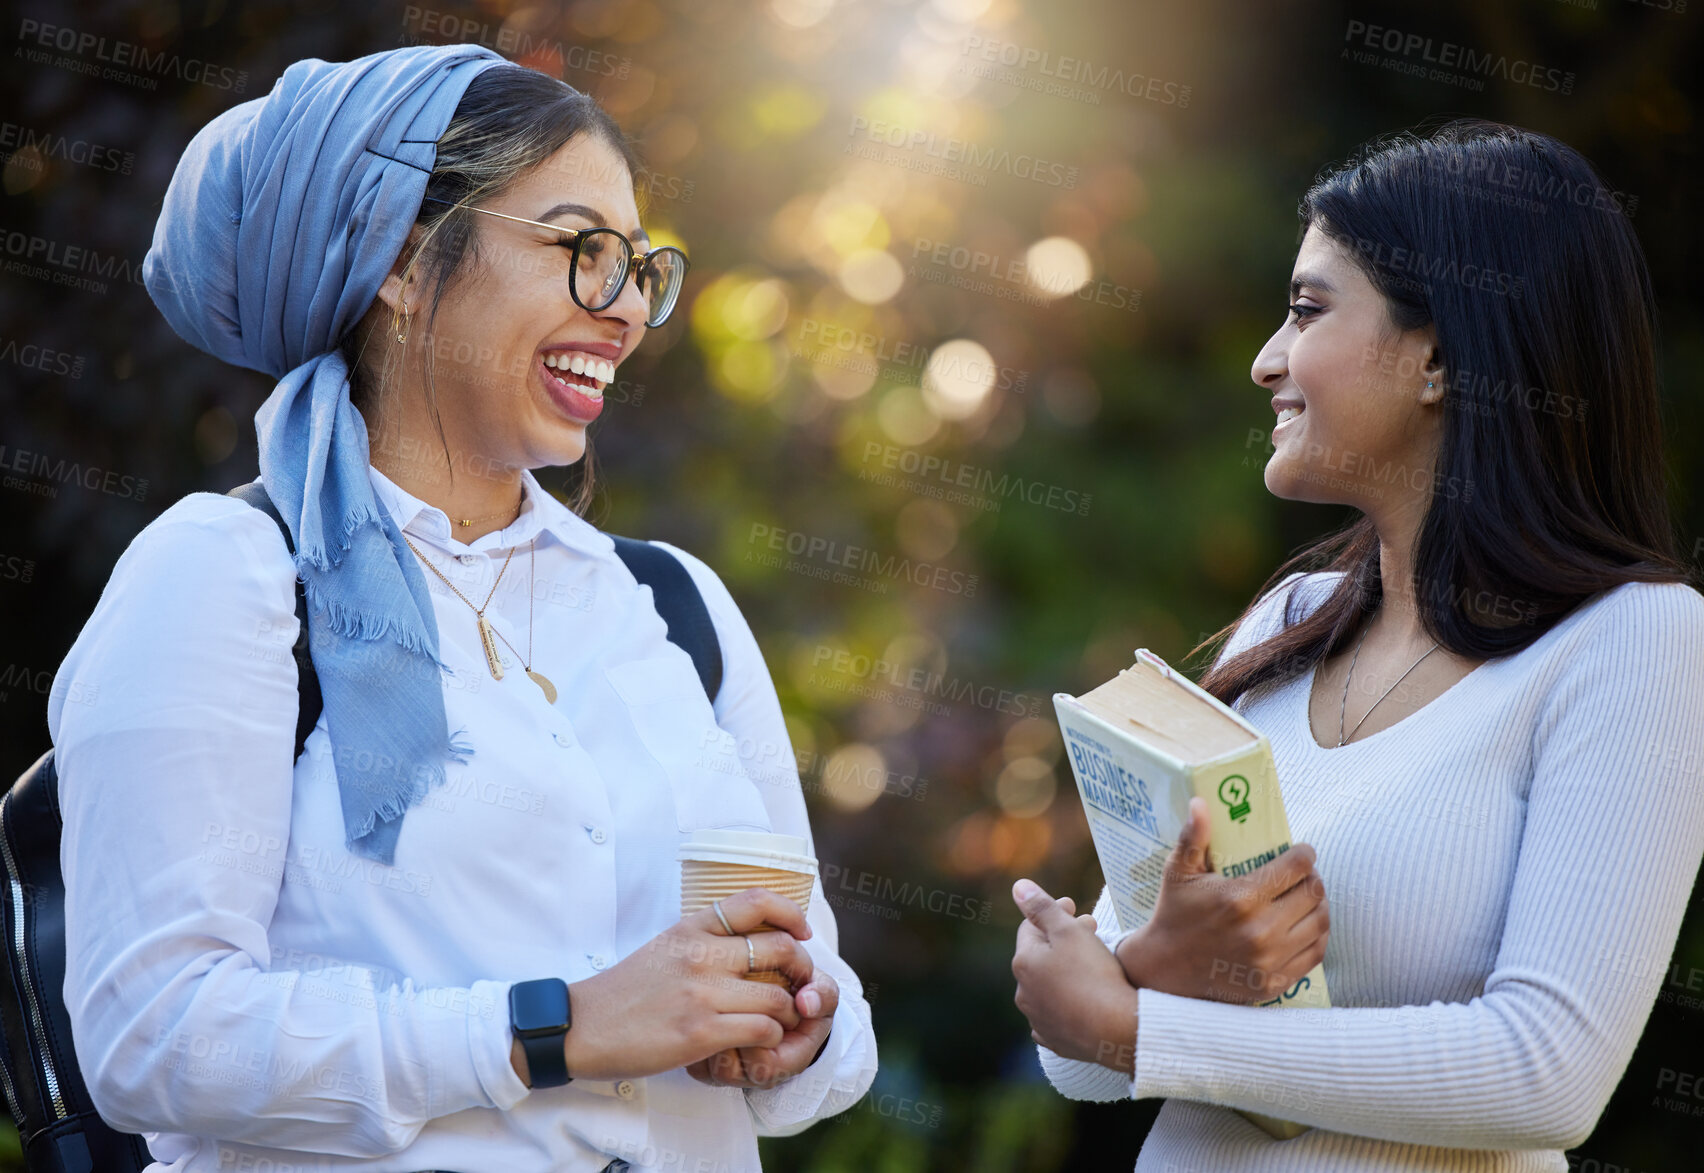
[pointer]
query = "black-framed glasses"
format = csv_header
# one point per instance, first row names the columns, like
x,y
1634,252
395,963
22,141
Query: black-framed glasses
x,y
603,260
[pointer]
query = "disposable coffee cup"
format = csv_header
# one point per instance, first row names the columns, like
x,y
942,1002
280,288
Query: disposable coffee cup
x,y
716,864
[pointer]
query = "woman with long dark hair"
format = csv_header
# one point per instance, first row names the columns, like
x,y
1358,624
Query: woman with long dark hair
x,y
448,934
1485,699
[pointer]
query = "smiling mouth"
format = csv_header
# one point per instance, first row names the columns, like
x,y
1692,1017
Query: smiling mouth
x,y
1288,414
579,372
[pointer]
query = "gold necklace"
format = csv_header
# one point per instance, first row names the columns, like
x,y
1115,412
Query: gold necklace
x,y
468,521
538,678
486,631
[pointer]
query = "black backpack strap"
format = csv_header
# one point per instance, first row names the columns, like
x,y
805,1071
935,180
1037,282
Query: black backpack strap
x,y
678,601
310,702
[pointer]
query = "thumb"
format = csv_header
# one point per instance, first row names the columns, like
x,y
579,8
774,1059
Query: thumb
x,y
1189,857
1040,909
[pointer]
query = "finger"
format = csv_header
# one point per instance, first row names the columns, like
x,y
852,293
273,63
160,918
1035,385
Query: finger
x,y
1312,929
780,952
762,1065
820,997
1299,904
753,907
1040,909
1189,856
1088,922
708,1070
1303,962
1029,936
792,1056
1068,904
727,1068
730,1032
1278,876
735,995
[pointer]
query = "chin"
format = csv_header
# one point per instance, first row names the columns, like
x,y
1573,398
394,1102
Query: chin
x,y
1287,480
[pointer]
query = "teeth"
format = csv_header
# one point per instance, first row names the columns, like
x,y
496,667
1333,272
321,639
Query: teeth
x,y
1289,413
577,363
588,392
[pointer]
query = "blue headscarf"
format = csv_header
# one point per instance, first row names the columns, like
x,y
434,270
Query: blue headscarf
x,y
283,218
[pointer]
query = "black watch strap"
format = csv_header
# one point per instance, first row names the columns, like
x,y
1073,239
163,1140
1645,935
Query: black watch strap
x,y
540,1015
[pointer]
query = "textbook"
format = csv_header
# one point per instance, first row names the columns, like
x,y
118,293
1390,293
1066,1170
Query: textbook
x,y
1140,746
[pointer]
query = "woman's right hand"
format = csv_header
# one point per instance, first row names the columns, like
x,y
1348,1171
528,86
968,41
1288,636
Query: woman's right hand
x,y
1244,939
683,996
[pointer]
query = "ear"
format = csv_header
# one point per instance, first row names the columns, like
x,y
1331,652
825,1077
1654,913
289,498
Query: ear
x,y
1434,379
391,293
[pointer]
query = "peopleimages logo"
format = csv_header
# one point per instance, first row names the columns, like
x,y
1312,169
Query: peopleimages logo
x,y
1424,51
995,160
115,58
29,147
1020,59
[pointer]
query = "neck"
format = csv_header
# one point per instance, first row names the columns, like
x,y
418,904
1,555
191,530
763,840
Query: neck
x,y
491,502
1399,531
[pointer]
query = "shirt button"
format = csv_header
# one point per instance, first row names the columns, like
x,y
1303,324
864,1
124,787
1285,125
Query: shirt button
x,y
564,740
469,559
599,961
598,835
624,1089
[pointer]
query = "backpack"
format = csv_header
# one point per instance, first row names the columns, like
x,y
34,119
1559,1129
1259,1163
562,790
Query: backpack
x,y
57,1123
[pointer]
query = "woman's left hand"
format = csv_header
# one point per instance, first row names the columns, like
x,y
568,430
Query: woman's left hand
x,y
1070,986
764,1067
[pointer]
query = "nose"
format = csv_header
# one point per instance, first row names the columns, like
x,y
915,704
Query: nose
x,y
630,306
1272,363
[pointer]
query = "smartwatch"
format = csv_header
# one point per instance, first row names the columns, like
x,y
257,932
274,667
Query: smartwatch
x,y
540,1017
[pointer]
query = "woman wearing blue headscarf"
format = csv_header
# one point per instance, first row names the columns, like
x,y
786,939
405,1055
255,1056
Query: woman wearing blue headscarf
x,y
364,958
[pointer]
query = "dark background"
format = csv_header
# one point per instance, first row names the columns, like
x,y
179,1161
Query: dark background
x,y
737,415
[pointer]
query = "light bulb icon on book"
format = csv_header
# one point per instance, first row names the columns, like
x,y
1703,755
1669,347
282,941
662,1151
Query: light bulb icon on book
x,y
1233,792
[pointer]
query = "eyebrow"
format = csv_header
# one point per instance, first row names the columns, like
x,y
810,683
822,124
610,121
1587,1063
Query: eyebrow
x,y
592,214
1312,281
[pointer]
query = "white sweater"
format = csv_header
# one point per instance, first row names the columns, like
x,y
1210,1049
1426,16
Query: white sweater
x,y
1507,869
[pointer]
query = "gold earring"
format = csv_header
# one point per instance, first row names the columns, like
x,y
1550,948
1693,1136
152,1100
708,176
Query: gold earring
x,y
403,336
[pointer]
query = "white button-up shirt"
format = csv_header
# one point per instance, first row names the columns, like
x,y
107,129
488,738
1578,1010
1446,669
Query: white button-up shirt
x,y
248,994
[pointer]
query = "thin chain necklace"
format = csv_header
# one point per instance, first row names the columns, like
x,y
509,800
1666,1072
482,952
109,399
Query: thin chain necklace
x,y
486,631
1341,738
468,521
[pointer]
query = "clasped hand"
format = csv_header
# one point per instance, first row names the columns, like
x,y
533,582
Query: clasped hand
x,y
683,1001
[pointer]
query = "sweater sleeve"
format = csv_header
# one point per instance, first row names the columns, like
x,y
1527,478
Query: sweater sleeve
x,y
173,723
1613,837
748,711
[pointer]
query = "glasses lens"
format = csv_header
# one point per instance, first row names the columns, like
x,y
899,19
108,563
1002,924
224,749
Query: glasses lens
x,y
601,269
660,281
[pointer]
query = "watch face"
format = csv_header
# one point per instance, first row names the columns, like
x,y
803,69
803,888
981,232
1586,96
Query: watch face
x,y
539,1005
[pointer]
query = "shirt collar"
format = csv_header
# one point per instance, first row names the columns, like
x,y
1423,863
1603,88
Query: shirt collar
x,y
541,514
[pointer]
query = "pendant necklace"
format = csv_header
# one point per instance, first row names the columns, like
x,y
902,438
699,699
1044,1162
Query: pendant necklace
x,y
538,678
486,631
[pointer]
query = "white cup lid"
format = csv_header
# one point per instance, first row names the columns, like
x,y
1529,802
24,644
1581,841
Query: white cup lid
x,y
760,848
747,841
